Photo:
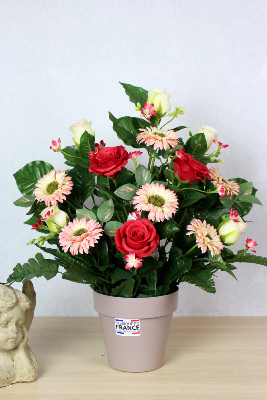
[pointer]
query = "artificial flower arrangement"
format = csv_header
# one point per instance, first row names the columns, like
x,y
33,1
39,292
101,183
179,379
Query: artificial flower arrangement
x,y
149,230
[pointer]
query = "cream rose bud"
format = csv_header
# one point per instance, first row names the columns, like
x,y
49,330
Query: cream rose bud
x,y
160,99
231,228
210,134
55,218
79,128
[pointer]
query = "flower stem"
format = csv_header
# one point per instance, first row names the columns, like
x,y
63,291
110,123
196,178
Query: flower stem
x,y
153,162
189,251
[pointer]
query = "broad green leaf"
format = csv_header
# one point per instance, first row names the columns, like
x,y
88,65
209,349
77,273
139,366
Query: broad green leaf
x,y
124,177
244,188
136,94
73,155
105,211
27,177
166,228
34,268
214,215
190,197
87,144
149,265
118,274
86,188
83,213
111,227
196,145
25,201
226,202
249,198
126,192
125,289
127,129
142,175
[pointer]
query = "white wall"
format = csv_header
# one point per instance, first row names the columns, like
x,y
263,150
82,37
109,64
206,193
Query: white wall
x,y
61,61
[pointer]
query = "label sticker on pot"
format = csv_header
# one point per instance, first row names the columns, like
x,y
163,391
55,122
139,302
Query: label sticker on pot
x,y
127,327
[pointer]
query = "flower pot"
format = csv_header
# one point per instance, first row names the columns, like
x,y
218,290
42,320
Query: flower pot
x,y
135,330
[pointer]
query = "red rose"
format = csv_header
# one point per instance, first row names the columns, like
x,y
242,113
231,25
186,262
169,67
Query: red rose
x,y
138,237
189,169
108,161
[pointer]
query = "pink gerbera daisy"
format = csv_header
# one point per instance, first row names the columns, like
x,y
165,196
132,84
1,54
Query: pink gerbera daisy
x,y
52,187
224,187
158,138
160,202
206,236
133,261
79,235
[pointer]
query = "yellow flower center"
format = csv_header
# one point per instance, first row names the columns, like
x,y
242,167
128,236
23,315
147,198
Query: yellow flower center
x,y
52,187
156,200
159,134
80,232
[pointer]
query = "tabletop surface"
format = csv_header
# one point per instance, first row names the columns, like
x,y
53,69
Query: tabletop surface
x,y
209,358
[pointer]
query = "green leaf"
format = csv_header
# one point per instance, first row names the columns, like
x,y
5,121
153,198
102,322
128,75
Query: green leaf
x,y
125,289
34,268
190,197
226,202
214,215
249,198
142,175
25,201
176,267
83,213
118,274
249,258
87,144
124,177
149,265
111,227
127,129
126,192
27,176
86,188
196,145
73,155
105,211
136,94
179,128
244,188
202,279
103,251
166,228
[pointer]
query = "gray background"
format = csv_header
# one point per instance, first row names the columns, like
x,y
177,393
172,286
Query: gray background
x,y
61,61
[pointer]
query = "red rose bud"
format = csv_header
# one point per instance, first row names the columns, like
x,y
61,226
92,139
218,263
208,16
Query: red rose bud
x,y
100,146
39,223
108,161
189,169
138,237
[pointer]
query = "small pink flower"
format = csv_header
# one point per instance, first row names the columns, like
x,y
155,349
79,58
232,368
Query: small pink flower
x,y
135,154
133,261
220,144
39,223
147,110
56,146
100,146
250,244
133,216
234,215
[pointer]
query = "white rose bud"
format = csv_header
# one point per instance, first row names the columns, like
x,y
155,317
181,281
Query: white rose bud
x,y
160,99
79,128
231,228
210,134
55,218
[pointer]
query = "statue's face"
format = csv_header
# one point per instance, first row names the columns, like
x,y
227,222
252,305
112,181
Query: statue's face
x,y
11,324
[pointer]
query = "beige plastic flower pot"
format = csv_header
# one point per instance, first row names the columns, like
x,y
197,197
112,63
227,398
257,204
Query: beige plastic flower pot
x,y
135,330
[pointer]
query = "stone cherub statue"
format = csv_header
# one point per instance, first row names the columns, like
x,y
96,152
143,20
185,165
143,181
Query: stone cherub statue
x,y
17,361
